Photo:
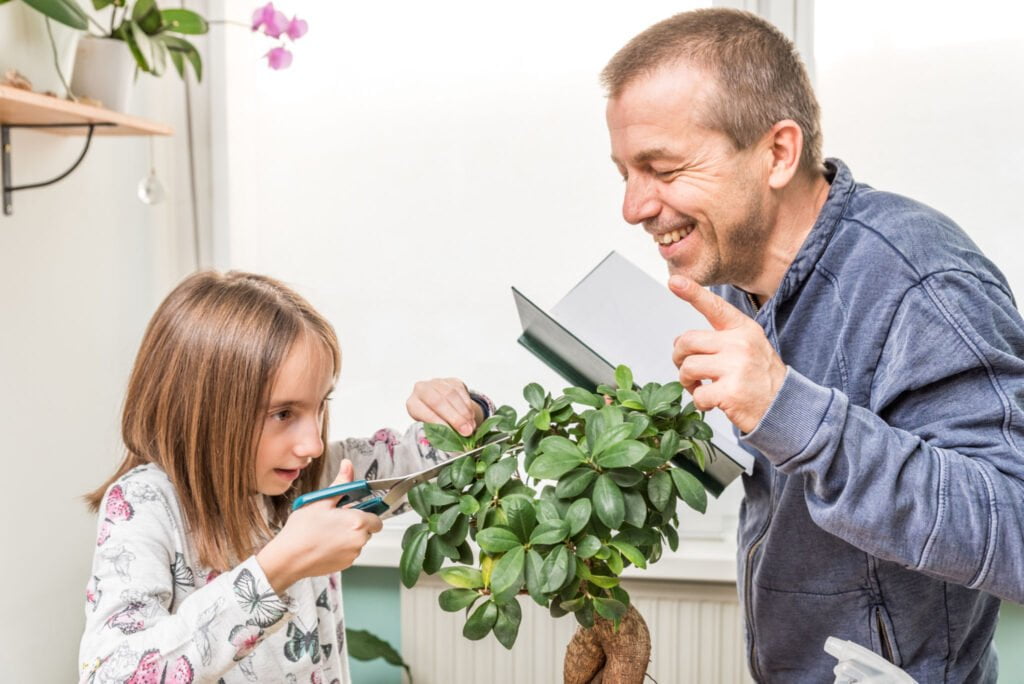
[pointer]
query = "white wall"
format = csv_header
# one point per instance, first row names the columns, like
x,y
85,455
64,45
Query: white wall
x,y
82,266
416,161
924,98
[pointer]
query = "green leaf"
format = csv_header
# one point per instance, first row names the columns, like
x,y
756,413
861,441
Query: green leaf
x,y
452,600
551,465
481,621
100,4
640,424
608,503
498,474
468,505
457,534
555,570
550,533
534,395
614,561
148,17
578,515
572,605
443,437
462,472
669,444
671,536
690,489
626,477
585,615
433,559
143,52
508,570
579,395
603,581
630,399
636,508
413,553
575,482
497,539
506,628
435,496
588,546
669,393
698,454
535,578
178,47
659,489
67,12
445,520
184,21
363,645
632,554
542,421
612,436
522,516
418,500
462,577
623,377
609,609
623,453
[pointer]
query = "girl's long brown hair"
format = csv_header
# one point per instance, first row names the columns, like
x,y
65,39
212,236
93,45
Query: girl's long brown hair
x,y
197,397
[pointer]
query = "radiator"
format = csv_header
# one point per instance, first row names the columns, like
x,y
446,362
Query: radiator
x,y
696,636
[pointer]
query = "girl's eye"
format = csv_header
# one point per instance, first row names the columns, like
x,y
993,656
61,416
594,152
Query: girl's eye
x,y
282,415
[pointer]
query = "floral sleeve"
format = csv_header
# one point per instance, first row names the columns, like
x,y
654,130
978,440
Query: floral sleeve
x,y
386,454
149,618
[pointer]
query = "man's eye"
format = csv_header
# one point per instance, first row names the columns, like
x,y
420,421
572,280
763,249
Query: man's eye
x,y
667,174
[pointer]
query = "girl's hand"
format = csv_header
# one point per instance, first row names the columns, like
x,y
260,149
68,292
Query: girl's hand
x,y
444,400
318,539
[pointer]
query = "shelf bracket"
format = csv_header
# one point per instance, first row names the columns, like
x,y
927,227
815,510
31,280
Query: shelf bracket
x,y
5,150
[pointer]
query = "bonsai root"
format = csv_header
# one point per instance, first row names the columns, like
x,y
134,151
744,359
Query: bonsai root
x,y
601,655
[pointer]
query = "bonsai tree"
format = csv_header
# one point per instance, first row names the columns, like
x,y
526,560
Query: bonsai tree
x,y
560,502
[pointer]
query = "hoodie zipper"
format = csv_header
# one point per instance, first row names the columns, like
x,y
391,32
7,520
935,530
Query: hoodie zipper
x,y
748,578
883,636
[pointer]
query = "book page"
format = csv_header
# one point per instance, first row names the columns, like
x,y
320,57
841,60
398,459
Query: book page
x,y
626,316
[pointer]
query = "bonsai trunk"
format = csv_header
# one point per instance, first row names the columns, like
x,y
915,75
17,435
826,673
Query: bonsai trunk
x,y
601,655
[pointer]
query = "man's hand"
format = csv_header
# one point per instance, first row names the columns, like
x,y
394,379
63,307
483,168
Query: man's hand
x,y
744,371
444,400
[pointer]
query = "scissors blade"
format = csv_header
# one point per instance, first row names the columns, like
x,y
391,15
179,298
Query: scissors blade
x,y
398,492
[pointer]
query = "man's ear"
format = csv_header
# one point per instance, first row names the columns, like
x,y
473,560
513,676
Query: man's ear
x,y
785,143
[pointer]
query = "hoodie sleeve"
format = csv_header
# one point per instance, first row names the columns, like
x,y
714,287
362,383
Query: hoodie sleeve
x,y
931,474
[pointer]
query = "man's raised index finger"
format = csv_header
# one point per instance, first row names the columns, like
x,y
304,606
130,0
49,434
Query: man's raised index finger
x,y
718,312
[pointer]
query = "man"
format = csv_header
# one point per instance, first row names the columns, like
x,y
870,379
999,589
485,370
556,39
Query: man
x,y
866,351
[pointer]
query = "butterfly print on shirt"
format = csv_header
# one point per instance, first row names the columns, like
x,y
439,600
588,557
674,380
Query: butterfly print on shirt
x,y
117,509
93,592
153,670
302,642
182,574
264,607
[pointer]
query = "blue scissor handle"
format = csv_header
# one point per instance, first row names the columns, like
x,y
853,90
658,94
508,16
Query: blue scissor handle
x,y
375,505
351,491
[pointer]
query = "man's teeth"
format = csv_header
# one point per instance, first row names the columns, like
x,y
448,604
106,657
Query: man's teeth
x,y
674,236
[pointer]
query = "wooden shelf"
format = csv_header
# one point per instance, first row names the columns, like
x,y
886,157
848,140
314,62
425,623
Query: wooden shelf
x,y
23,107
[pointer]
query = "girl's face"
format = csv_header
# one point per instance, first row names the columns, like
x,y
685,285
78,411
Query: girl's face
x,y
291,436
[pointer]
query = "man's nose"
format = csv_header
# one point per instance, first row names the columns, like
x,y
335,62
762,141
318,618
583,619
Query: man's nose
x,y
641,200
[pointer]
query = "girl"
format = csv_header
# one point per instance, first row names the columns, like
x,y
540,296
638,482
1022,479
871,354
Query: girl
x,y
199,573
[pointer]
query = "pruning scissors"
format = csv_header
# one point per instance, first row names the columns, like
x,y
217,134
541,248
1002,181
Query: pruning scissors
x,y
394,488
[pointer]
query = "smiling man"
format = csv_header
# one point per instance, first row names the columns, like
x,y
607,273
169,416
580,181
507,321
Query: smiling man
x,y
867,353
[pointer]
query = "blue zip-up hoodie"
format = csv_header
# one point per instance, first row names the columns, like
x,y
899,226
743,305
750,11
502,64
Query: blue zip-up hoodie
x,y
887,503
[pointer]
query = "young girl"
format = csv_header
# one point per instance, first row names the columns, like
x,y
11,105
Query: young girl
x,y
200,573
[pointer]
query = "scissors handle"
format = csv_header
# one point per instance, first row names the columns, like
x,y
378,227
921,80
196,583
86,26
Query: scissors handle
x,y
349,491
375,505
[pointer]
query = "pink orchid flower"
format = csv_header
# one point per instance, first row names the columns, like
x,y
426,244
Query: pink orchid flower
x,y
273,22
279,58
296,28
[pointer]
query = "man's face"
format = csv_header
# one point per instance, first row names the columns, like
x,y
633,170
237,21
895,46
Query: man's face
x,y
704,202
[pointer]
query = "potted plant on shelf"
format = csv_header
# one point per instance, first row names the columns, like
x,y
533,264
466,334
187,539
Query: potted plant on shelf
x,y
611,504
154,38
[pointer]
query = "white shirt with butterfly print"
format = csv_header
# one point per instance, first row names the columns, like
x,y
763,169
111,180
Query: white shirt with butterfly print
x,y
153,615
